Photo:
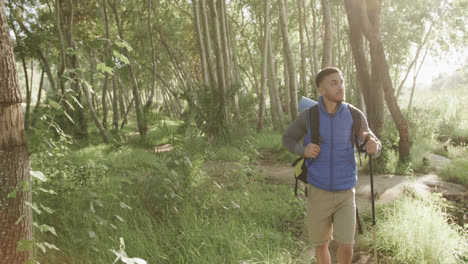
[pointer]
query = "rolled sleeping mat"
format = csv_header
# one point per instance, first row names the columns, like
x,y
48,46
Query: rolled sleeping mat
x,y
305,103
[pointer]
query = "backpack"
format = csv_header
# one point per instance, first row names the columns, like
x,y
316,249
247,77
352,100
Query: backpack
x,y
299,165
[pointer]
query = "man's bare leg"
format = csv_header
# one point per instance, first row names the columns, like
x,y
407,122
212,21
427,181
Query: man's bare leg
x,y
322,254
344,254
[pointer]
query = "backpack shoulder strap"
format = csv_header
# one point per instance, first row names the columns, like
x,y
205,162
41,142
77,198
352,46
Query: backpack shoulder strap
x,y
314,124
355,113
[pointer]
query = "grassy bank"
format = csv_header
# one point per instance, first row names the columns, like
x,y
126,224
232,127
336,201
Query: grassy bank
x,y
166,207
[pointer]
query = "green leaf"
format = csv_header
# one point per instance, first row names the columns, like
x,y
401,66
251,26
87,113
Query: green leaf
x,y
123,44
47,191
121,57
12,194
25,244
51,246
38,175
69,117
70,105
55,105
19,219
34,207
76,101
103,68
46,228
41,246
47,209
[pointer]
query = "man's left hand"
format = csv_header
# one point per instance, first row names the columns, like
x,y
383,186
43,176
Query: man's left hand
x,y
371,146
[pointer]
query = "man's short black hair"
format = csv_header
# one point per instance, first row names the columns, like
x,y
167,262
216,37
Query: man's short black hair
x,y
324,73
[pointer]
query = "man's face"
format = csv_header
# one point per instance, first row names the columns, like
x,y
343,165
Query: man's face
x,y
332,88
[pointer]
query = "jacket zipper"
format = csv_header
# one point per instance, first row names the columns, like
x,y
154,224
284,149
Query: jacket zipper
x,y
331,153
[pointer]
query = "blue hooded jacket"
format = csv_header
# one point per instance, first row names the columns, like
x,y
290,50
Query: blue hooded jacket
x,y
335,168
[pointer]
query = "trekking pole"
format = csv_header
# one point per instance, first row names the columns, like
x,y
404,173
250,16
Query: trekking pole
x,y
373,208
362,149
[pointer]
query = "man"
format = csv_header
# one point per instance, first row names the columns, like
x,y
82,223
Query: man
x,y
332,168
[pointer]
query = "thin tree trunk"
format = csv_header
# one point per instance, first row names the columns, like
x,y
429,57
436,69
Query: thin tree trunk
x,y
328,37
28,93
39,93
416,56
95,117
135,90
313,92
357,48
315,60
15,213
207,42
381,61
115,106
150,100
303,50
201,46
219,62
375,105
415,76
290,60
261,106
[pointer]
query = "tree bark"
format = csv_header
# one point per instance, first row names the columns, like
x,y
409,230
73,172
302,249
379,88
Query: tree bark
x,y
207,43
201,46
39,92
219,62
115,106
150,100
135,90
14,158
383,71
290,60
328,37
303,50
261,104
375,99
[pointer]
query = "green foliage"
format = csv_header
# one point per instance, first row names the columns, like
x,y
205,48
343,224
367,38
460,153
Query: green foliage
x,y
456,171
206,112
416,231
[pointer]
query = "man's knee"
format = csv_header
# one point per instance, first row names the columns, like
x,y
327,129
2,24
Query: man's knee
x,y
322,248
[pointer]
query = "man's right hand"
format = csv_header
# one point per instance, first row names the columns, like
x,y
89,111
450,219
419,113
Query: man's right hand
x,y
311,151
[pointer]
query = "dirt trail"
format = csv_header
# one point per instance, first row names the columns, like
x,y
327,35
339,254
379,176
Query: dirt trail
x,y
387,188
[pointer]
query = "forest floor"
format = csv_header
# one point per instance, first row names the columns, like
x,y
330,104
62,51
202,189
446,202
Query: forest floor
x,y
387,189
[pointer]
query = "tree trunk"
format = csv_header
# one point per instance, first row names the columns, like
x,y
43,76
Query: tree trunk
x,y
207,43
115,107
328,37
261,105
315,60
39,93
313,89
375,100
219,62
14,158
95,117
201,46
150,100
415,76
383,71
236,78
135,90
290,60
357,48
28,92
303,50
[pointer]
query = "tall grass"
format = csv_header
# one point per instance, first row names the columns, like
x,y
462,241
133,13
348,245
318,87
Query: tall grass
x,y
415,231
162,213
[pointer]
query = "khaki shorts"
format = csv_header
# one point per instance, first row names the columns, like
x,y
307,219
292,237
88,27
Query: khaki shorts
x,y
330,212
